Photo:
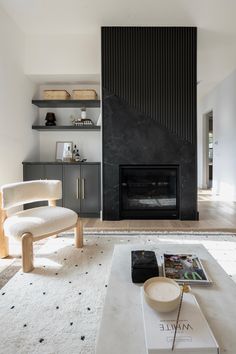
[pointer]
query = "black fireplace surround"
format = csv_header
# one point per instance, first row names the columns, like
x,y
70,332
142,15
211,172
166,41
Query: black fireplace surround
x,y
149,122
149,192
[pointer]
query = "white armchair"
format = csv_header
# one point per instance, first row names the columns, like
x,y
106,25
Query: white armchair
x,y
34,224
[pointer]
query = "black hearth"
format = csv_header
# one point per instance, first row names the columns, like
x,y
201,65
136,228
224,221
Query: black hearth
x,y
149,192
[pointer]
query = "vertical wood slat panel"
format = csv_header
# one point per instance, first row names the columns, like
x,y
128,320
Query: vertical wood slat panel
x,y
153,69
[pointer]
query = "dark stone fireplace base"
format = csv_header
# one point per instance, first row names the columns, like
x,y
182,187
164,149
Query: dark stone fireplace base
x,y
132,138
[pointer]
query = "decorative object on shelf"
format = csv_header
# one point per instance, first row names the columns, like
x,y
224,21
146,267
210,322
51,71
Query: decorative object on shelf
x,y
88,94
76,155
50,119
56,95
99,122
82,121
64,151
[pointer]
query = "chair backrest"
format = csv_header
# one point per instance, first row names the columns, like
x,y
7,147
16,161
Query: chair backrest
x,y
16,194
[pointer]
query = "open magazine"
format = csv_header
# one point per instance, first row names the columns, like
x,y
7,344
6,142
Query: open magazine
x,y
185,268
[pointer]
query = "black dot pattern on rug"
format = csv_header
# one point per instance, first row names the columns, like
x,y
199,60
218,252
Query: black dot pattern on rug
x,y
65,259
57,307
88,308
100,264
71,323
91,257
86,272
70,282
25,325
44,293
80,293
56,273
41,340
106,286
82,337
82,251
30,283
44,266
101,251
76,265
12,307
3,293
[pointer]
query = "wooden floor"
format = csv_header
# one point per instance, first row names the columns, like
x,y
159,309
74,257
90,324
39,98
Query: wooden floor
x,y
214,215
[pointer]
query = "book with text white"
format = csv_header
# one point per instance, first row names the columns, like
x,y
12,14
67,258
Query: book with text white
x,y
194,335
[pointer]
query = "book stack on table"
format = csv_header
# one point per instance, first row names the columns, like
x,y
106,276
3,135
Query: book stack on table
x,y
194,335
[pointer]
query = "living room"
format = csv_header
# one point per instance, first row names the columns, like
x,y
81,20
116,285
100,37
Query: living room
x,y
117,136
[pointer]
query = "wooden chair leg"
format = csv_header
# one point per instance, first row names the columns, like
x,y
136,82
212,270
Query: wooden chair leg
x,y
79,234
27,252
4,245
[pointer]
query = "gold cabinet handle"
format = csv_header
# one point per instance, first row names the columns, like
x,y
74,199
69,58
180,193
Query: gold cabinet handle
x,y
77,189
83,190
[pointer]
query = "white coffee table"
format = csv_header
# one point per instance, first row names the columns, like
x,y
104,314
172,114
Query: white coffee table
x,y
121,329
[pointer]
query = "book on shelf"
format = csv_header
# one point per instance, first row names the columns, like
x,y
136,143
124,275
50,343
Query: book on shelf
x,y
185,268
193,336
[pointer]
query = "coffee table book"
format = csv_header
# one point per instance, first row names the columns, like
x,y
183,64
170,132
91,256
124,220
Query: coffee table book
x,y
185,269
194,335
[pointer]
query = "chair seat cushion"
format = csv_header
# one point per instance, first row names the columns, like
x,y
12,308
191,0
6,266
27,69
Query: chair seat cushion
x,y
39,221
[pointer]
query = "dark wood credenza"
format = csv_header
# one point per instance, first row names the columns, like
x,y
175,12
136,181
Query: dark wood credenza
x,y
81,184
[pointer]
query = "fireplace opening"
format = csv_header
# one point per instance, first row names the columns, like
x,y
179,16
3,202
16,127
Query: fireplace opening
x,y
149,192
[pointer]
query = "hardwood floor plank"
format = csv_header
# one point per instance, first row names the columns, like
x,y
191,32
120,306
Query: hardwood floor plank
x,y
215,215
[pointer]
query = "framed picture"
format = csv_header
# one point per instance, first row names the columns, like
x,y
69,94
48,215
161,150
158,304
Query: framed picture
x,y
64,151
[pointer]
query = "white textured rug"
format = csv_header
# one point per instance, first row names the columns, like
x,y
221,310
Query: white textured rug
x,y
56,309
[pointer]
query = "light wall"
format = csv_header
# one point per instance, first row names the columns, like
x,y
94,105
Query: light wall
x,y
17,140
223,104
63,54
65,62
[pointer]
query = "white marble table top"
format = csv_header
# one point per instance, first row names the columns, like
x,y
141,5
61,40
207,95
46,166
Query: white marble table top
x,y
121,329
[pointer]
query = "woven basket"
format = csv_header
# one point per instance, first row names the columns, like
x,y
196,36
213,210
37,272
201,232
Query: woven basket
x,y
55,95
84,94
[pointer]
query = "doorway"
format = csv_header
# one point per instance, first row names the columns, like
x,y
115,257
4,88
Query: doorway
x,y
209,149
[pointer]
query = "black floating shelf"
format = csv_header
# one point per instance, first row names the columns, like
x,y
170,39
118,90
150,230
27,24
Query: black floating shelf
x,y
66,103
65,127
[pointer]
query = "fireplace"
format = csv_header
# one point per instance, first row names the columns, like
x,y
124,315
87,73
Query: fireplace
x,y
149,120
149,192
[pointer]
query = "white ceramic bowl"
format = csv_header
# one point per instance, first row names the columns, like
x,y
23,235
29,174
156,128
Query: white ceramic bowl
x,y
162,294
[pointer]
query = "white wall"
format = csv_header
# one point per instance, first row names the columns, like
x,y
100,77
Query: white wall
x,y
65,60
17,140
223,103
63,54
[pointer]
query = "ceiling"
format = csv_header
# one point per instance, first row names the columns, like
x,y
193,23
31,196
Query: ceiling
x,y
215,20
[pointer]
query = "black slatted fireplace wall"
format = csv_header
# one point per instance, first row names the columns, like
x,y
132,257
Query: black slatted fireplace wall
x,y
149,122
